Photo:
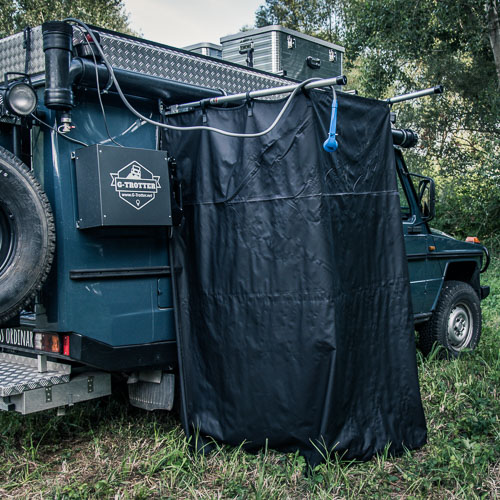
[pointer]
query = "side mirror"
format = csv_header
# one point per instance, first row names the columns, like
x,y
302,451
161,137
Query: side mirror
x,y
427,198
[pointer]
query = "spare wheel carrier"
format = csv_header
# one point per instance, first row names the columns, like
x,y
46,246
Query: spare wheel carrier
x,y
27,236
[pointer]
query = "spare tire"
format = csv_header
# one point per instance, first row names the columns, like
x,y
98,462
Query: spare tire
x,y
27,236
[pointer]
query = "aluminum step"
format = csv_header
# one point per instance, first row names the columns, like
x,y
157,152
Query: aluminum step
x,y
29,385
21,373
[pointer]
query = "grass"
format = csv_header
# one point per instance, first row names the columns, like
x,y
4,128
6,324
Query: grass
x,y
106,449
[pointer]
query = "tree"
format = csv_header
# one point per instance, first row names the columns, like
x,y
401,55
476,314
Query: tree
x,y
319,18
396,46
16,15
402,45
494,33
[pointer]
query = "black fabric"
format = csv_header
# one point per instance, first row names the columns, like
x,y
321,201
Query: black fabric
x,y
293,297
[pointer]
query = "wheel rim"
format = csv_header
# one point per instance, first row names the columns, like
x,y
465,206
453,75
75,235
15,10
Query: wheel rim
x,y
7,239
460,326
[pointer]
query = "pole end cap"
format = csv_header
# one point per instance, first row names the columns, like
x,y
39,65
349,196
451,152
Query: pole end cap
x,y
342,80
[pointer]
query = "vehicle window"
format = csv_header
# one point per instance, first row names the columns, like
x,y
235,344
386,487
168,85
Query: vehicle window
x,y
403,200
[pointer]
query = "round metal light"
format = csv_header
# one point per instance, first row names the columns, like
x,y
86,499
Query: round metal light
x,y
20,99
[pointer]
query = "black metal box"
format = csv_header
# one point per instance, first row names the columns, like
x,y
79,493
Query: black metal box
x,y
285,52
122,187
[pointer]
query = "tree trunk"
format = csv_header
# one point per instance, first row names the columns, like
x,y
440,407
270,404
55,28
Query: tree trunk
x,y
494,33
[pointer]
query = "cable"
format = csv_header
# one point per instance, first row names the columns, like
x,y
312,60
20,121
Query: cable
x,y
98,89
173,127
57,131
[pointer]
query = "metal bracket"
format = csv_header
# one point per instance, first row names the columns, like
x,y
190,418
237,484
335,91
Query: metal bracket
x,y
42,363
48,394
6,404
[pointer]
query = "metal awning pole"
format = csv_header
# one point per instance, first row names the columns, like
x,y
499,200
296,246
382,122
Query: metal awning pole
x,y
338,80
438,89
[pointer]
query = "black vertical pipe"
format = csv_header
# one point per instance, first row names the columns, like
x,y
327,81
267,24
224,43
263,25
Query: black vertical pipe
x,y
58,46
16,141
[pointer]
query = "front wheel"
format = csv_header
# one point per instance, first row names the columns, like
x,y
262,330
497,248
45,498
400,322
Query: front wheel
x,y
456,322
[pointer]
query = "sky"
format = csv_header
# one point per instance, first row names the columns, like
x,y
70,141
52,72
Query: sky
x,y
184,22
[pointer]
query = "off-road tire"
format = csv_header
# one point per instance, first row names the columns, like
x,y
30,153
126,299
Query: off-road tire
x,y
456,322
27,236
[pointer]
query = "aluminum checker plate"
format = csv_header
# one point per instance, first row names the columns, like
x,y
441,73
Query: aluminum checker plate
x,y
18,376
148,58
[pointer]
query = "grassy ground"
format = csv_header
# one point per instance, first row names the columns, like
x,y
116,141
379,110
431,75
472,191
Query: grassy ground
x,y
108,450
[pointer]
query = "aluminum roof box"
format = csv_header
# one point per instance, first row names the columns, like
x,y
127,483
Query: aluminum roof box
x,y
206,49
284,51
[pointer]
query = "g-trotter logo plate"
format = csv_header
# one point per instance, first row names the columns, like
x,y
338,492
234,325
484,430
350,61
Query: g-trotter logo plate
x,y
136,185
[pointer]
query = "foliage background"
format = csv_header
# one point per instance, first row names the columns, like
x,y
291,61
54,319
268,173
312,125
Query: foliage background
x,y
397,46
15,15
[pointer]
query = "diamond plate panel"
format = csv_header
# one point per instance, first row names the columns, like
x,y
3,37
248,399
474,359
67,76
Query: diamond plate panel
x,y
17,377
145,57
188,68
13,53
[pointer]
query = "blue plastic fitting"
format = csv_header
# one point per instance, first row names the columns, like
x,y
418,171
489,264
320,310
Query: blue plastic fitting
x,y
331,145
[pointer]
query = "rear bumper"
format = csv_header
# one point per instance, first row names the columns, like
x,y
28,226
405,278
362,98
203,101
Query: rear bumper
x,y
91,352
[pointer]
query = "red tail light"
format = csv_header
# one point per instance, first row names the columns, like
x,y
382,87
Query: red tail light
x,y
65,345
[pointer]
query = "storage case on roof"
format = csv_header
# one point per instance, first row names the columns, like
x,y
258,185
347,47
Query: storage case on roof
x,y
206,49
284,51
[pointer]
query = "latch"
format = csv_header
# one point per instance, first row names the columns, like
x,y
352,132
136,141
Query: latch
x,y
176,194
313,62
246,47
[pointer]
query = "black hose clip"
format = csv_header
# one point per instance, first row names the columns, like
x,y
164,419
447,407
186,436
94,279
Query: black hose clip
x,y
249,104
203,107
